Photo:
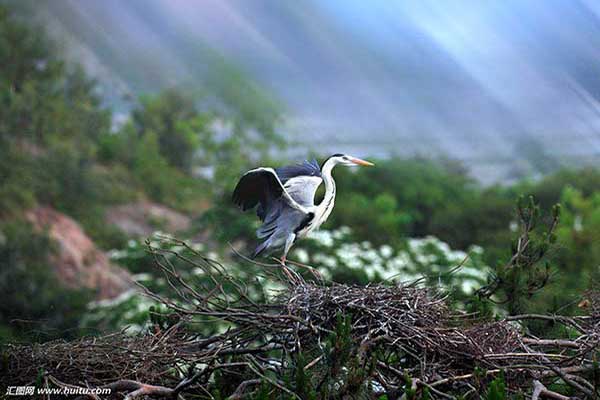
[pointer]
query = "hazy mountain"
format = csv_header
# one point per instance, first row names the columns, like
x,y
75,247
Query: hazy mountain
x,y
510,87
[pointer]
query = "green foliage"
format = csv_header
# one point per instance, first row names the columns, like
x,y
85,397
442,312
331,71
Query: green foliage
x,y
226,222
174,125
398,197
50,118
575,255
548,191
34,304
339,369
303,384
409,391
482,218
463,214
497,389
16,181
56,139
151,168
525,273
383,221
408,217
168,140
140,313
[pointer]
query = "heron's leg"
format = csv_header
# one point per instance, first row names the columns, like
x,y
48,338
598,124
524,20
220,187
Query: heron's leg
x,y
288,245
312,270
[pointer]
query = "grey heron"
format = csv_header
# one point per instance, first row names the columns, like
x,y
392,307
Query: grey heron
x,y
285,198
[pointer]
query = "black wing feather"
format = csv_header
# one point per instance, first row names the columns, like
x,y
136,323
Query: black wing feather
x,y
282,216
260,187
256,186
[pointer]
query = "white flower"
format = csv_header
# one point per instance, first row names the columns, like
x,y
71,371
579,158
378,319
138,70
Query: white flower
x,y
372,256
425,259
197,246
577,224
345,230
476,249
468,285
323,237
386,250
178,249
302,256
414,244
134,329
123,297
142,277
272,288
117,254
324,273
355,263
337,235
328,261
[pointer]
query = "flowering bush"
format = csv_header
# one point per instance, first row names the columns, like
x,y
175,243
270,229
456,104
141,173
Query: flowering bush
x,y
334,253
339,258
131,309
138,312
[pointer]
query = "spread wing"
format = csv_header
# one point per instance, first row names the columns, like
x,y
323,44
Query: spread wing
x,y
303,188
301,181
307,168
262,186
282,196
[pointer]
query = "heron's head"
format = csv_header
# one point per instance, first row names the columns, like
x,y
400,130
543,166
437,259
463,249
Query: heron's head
x,y
349,161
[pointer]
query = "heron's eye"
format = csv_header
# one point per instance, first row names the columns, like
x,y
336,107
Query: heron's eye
x,y
345,158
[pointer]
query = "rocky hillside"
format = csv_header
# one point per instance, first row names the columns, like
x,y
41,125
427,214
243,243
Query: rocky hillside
x,y
77,261
143,218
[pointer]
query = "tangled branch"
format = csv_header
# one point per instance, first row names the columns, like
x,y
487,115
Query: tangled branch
x,y
314,340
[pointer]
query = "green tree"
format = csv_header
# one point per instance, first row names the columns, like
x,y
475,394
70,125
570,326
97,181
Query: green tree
x,y
410,193
35,305
49,114
164,116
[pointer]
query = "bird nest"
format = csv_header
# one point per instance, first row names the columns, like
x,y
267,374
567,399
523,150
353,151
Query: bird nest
x,y
312,339
410,320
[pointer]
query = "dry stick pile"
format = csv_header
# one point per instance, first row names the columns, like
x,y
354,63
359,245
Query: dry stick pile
x,y
333,340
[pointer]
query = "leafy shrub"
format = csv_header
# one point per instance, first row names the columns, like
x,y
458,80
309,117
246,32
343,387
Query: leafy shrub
x,y
421,189
35,305
167,117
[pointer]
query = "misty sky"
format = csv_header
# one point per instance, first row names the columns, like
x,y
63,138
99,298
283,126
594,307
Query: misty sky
x,y
474,80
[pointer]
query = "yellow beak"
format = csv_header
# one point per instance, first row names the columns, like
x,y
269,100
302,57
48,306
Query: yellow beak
x,y
361,162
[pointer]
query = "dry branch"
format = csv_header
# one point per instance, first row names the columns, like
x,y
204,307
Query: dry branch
x,y
391,333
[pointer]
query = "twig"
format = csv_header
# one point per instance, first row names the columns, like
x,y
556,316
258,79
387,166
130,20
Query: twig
x,y
539,390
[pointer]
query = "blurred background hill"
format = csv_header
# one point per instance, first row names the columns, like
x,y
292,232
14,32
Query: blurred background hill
x,y
120,119
509,88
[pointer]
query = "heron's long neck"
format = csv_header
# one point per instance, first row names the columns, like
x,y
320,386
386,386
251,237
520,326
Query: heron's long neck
x,y
328,200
